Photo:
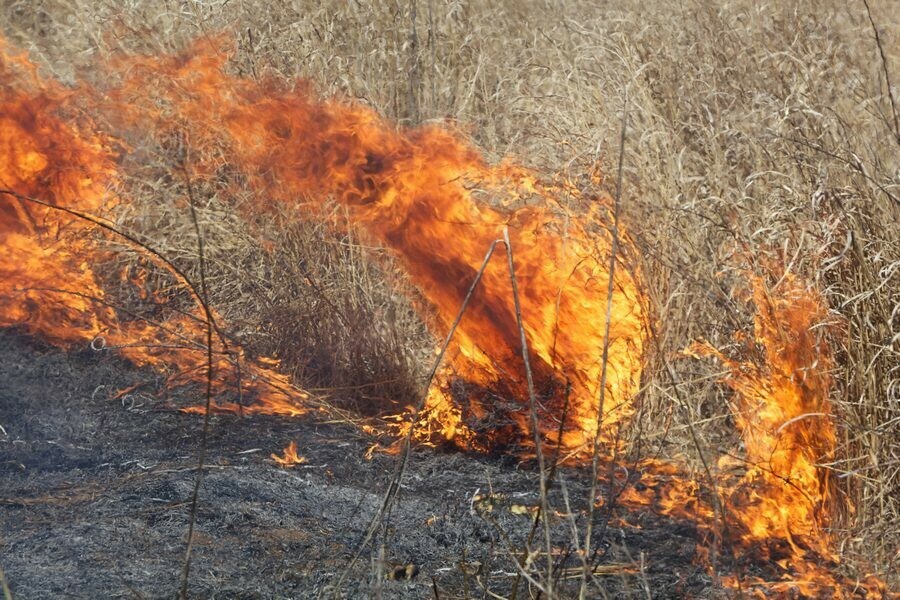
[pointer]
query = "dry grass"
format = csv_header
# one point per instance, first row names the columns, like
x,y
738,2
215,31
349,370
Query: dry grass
x,y
760,130
298,284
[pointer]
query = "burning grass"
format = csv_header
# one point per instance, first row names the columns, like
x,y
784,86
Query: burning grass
x,y
343,243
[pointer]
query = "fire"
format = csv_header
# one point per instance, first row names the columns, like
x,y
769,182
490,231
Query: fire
x,y
46,280
780,508
413,190
439,205
783,413
433,199
51,151
290,458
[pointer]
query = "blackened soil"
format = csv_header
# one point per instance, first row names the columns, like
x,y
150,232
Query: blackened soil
x,y
94,503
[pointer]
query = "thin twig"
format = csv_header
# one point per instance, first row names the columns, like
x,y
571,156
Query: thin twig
x,y
718,505
595,455
532,409
887,73
137,243
550,478
119,309
413,67
7,595
402,463
170,266
204,432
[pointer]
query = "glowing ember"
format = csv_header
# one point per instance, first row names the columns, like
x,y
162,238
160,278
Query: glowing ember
x,y
290,458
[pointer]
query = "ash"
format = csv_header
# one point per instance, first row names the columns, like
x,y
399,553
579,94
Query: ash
x,y
95,502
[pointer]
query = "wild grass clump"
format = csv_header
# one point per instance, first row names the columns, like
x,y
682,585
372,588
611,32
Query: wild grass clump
x,y
296,284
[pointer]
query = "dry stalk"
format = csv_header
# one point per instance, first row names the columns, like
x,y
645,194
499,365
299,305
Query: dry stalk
x,y
201,296
886,71
204,431
595,453
538,517
532,409
394,486
7,595
413,69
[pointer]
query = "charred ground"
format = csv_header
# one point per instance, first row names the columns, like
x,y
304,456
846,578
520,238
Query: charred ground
x,y
95,500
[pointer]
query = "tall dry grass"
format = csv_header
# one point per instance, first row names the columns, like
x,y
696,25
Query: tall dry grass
x,y
759,132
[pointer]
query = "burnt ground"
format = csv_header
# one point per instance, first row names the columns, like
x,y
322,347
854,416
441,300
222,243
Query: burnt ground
x,y
94,499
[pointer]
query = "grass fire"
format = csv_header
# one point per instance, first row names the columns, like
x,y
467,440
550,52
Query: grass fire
x,y
449,300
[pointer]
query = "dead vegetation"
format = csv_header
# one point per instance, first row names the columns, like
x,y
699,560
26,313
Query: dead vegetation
x,y
759,135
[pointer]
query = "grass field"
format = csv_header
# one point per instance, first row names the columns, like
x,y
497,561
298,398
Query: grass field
x,y
761,143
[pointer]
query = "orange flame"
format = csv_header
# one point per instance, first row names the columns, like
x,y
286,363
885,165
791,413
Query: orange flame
x,y
783,412
51,151
780,509
67,165
432,198
290,458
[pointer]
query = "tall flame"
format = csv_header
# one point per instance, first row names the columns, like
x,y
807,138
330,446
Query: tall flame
x,y
414,190
67,165
780,509
783,412
51,151
431,197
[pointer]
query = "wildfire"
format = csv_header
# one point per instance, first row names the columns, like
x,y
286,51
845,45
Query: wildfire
x,y
434,200
290,458
415,191
777,500
783,412
51,152
42,155
780,509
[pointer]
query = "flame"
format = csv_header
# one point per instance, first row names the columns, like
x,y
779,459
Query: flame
x,y
782,410
433,199
51,150
66,165
414,190
780,509
290,458
775,497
